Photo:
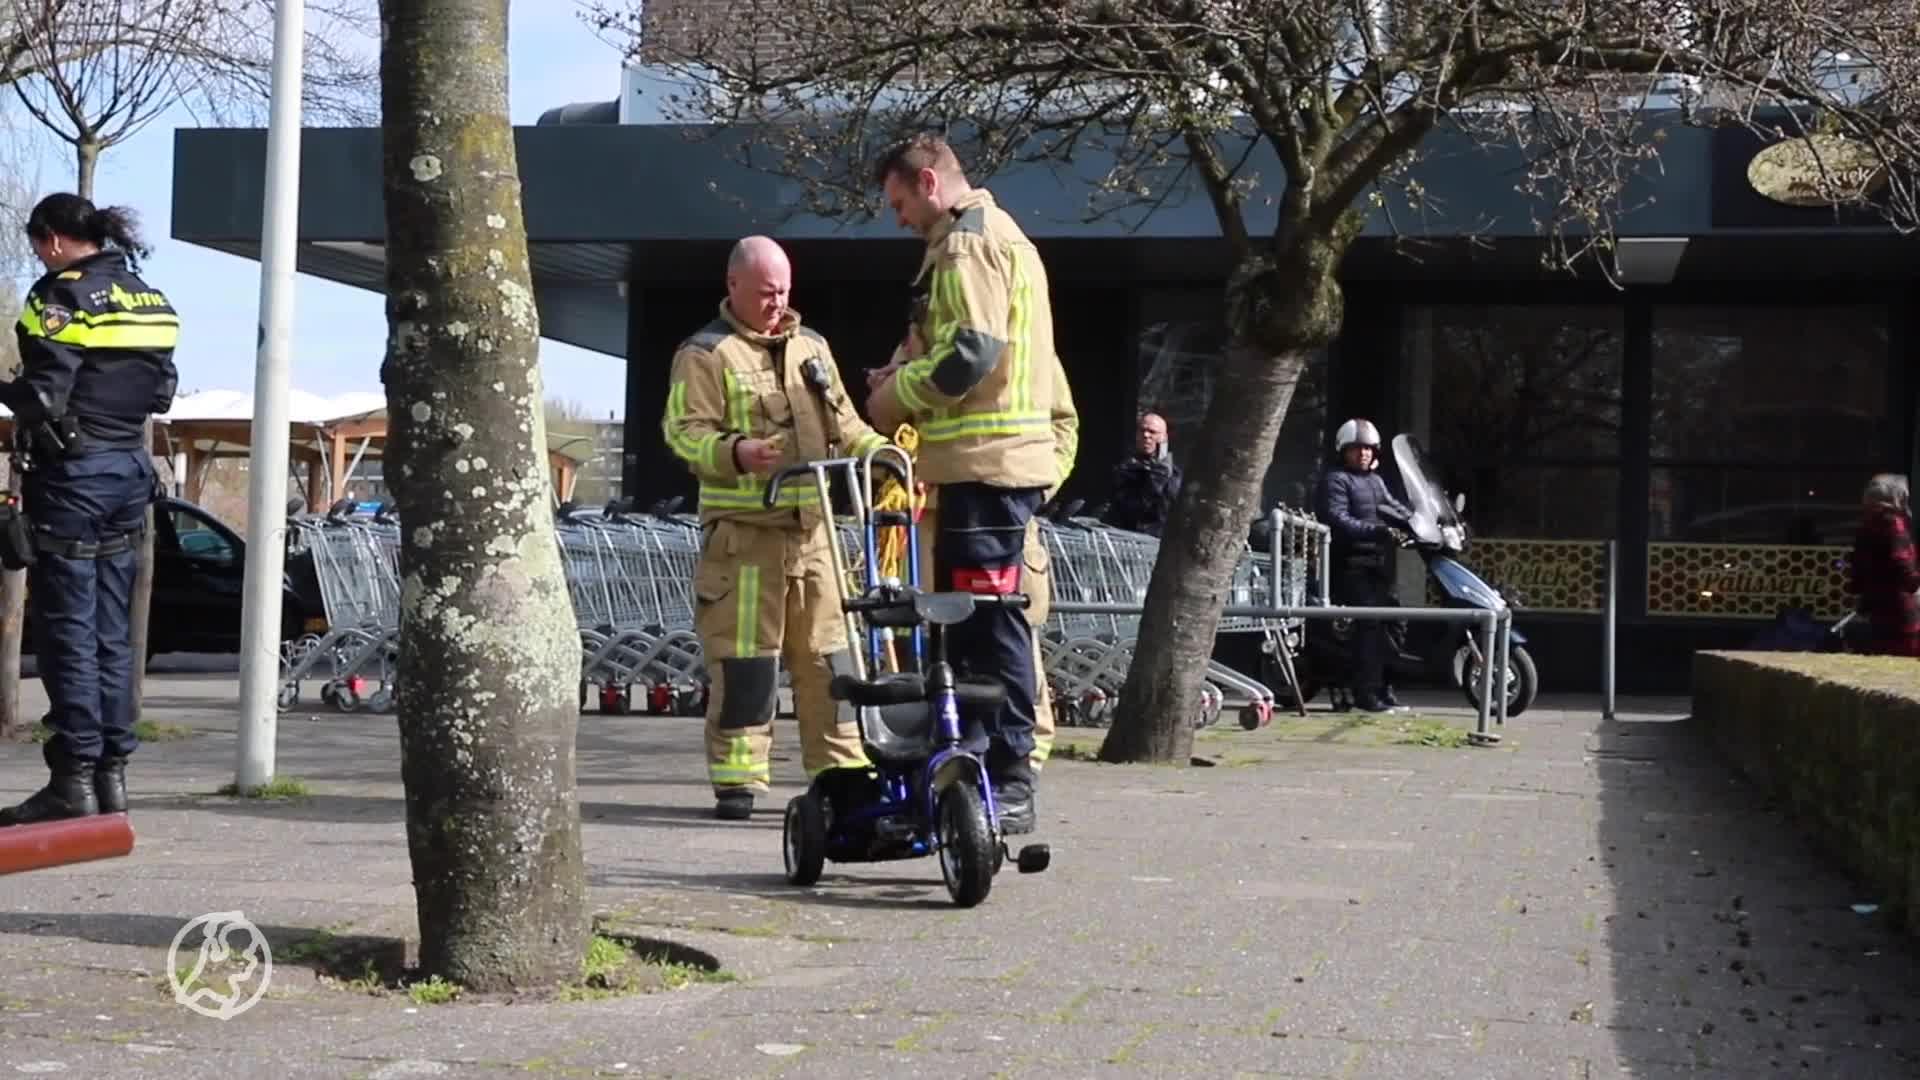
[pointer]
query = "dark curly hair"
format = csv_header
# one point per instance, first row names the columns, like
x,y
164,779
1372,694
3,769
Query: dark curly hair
x,y
76,218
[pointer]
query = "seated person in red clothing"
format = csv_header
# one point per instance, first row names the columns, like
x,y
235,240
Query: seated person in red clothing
x,y
1883,571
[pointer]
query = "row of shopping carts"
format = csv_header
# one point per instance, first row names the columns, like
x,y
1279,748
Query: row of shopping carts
x,y
1087,656
630,577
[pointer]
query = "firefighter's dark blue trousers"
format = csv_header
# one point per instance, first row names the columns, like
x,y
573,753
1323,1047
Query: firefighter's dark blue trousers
x,y
87,513
980,547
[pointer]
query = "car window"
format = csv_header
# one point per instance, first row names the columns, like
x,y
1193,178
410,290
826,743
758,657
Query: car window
x,y
198,538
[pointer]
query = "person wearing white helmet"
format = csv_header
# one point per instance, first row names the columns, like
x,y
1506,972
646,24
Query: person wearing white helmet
x,y
1367,523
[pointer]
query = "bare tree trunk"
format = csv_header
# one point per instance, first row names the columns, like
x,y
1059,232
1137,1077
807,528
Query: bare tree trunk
x,y
87,153
490,656
1219,498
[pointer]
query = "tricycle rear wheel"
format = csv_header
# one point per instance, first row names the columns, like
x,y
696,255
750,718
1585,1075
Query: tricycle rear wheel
x,y
805,840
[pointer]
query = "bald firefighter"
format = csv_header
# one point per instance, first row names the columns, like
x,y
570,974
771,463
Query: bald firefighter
x,y
982,397
754,392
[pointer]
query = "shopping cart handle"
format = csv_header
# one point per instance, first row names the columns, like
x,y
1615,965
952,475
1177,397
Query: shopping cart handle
x,y
803,469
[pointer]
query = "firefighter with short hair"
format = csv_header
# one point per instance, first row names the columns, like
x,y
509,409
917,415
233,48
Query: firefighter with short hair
x,y
96,360
754,392
982,396
1039,569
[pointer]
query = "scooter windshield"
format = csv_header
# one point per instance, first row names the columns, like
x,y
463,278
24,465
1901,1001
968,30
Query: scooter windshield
x,y
1434,519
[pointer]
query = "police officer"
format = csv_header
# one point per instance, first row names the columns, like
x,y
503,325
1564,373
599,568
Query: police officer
x,y
1368,526
754,392
982,397
96,360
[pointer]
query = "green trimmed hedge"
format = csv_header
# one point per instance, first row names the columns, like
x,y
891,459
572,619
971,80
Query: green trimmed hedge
x,y
1837,739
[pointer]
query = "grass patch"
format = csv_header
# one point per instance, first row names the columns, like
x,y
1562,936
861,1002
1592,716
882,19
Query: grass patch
x,y
147,731
1420,731
617,967
432,991
1075,751
280,787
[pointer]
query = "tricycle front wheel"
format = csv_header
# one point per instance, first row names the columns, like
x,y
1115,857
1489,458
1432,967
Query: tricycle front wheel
x,y
967,847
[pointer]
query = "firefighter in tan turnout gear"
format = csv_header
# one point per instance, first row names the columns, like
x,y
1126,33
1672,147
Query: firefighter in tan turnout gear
x,y
982,396
754,392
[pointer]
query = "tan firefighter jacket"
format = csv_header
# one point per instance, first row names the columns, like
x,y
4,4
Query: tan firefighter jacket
x,y
730,383
983,395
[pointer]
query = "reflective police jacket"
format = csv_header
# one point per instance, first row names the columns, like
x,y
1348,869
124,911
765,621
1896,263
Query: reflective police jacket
x,y
731,383
983,394
96,345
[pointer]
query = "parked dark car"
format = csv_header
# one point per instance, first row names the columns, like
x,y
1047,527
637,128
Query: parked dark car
x,y
199,564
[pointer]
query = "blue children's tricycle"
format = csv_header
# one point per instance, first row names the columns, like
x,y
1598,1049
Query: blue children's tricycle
x,y
927,793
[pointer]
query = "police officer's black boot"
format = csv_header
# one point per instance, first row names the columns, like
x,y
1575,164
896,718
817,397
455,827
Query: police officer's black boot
x,y
110,784
68,794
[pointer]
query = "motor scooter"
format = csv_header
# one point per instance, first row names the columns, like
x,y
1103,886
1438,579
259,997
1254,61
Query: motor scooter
x,y
1423,651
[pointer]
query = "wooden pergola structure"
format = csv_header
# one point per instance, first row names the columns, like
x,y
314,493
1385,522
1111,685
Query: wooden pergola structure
x,y
324,454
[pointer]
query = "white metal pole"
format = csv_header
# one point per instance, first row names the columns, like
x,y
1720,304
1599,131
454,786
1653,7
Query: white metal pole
x,y
267,471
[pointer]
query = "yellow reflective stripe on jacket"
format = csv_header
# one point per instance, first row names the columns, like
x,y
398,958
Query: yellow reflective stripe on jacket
x,y
1020,338
872,440
112,330
946,301
739,401
743,497
973,425
697,452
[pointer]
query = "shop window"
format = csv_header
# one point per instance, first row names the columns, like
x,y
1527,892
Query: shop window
x,y
1179,350
1795,507
1771,385
1558,502
1512,384
1766,424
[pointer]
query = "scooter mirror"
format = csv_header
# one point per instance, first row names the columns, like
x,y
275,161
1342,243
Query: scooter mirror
x,y
1460,503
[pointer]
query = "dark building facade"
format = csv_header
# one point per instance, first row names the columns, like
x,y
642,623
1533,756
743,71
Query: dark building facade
x,y
1717,416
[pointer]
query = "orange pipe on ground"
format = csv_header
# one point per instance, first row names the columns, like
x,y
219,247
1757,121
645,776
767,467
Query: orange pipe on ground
x,y
58,843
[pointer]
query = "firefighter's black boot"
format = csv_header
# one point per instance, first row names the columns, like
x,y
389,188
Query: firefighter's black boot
x,y
733,805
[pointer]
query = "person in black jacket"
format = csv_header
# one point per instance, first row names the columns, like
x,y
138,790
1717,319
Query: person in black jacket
x,y
1146,484
1368,525
96,360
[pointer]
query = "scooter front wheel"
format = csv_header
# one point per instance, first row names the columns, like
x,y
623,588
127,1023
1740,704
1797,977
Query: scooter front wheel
x,y
967,847
1523,678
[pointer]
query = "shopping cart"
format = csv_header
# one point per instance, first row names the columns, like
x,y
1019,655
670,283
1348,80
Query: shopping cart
x,y
630,576
356,564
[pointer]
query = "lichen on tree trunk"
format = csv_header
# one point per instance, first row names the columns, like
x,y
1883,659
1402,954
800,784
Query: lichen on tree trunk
x,y
1281,310
489,654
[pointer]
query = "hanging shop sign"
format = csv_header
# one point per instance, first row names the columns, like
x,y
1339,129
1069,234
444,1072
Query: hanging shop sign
x,y
1818,170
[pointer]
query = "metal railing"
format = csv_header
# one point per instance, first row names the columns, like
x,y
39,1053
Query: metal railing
x,y
1495,641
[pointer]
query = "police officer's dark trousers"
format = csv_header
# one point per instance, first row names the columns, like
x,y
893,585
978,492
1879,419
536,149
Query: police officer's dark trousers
x,y
980,547
88,513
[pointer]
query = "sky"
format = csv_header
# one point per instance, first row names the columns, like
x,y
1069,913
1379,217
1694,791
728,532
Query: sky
x,y
339,331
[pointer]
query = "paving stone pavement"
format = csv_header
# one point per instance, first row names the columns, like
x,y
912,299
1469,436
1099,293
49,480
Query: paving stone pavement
x,y
1585,900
